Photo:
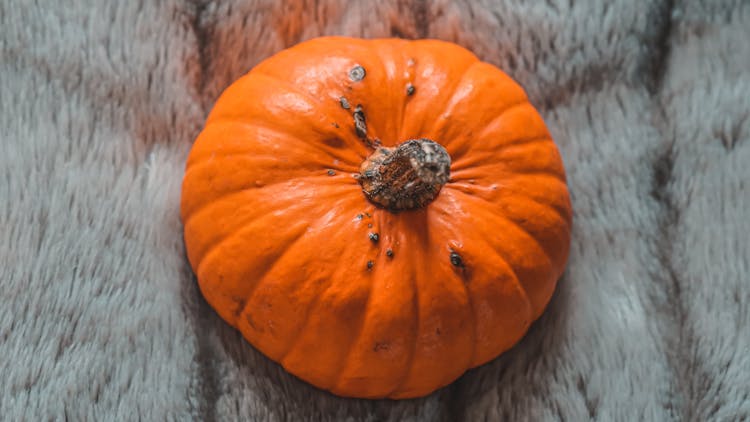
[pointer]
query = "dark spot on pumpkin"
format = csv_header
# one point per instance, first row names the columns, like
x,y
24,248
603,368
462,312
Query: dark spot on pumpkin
x,y
370,264
381,346
410,89
456,260
344,103
368,214
389,253
357,73
252,324
336,125
437,331
369,225
374,237
334,142
360,216
331,172
360,123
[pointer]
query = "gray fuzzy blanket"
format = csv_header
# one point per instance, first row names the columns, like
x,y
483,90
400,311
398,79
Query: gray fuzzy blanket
x,y
100,316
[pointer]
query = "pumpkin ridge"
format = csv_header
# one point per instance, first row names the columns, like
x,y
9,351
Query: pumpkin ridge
x,y
452,89
355,338
405,99
521,289
448,105
310,306
413,350
262,276
373,47
470,190
319,147
504,182
504,256
496,206
352,142
553,168
291,87
470,300
466,146
228,195
315,145
208,251
503,112
539,172
313,306
529,118
473,314
564,213
514,276
235,155
215,247
496,211
461,164
501,257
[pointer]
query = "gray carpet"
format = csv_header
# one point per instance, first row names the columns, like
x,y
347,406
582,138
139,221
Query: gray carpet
x,y
100,316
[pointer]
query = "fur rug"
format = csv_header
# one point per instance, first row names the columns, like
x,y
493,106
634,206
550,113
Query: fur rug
x,y
100,316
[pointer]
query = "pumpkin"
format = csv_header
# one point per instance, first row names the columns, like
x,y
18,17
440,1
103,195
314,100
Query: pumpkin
x,y
377,216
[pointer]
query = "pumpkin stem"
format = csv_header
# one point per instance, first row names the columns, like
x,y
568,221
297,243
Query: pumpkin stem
x,y
406,177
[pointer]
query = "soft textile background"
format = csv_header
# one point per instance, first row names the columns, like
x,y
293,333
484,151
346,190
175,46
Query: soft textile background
x,y
100,316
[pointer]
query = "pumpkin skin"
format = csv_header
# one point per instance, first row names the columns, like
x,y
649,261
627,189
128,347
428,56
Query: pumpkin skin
x,y
281,236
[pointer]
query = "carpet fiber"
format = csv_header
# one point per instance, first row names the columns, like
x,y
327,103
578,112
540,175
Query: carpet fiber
x,y
100,315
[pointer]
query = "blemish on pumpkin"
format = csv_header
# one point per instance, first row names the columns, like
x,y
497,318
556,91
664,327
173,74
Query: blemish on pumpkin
x,y
252,325
456,260
334,142
409,89
381,346
344,103
370,264
369,225
389,253
336,125
368,214
360,216
360,123
331,172
374,237
357,73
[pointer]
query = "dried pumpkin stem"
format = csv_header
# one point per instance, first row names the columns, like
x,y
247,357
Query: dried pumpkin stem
x,y
406,177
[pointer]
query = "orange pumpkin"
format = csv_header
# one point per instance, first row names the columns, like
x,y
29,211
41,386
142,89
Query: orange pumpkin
x,y
378,216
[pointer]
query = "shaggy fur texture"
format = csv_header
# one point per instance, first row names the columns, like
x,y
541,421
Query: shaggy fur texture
x,y
100,316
